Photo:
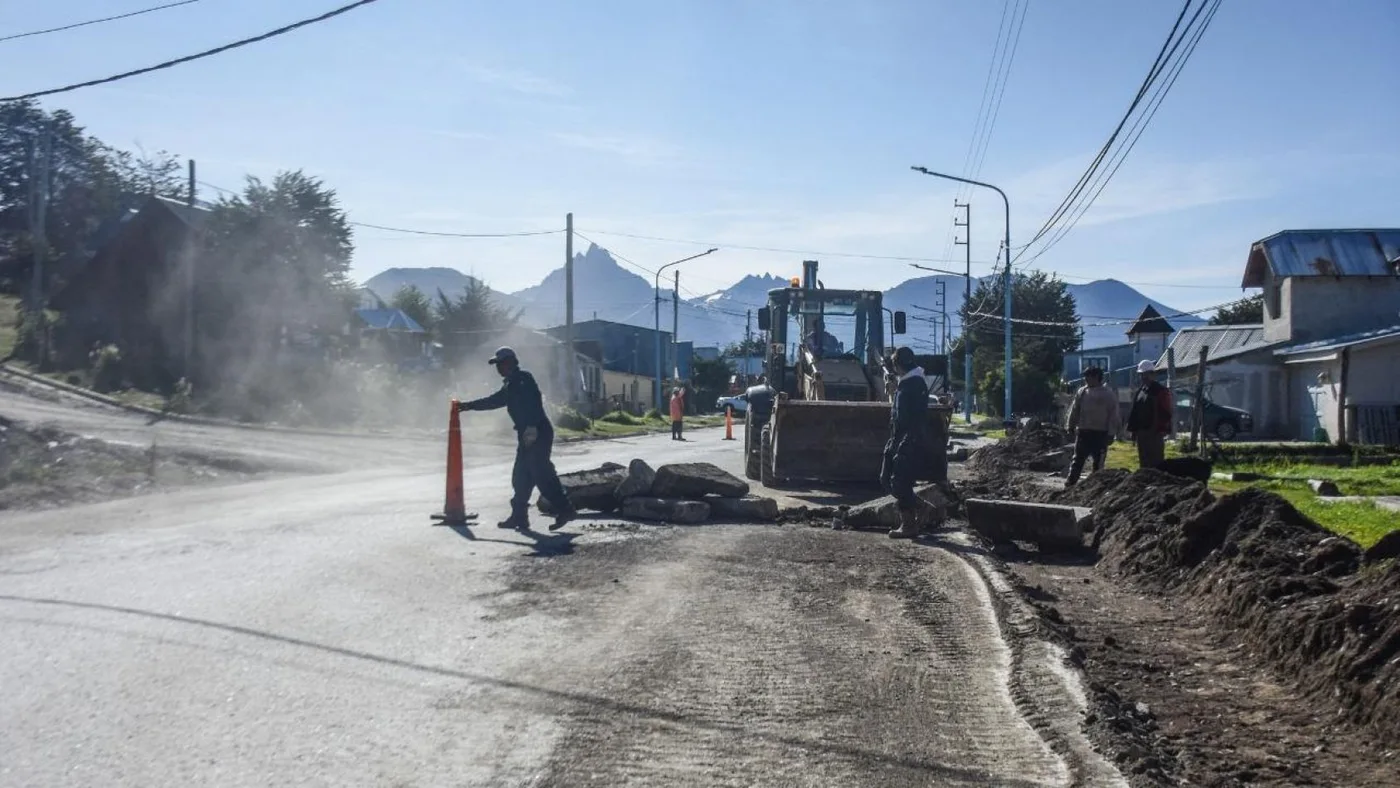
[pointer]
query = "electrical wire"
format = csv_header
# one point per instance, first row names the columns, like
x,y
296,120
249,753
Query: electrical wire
x,y
1153,73
778,250
1115,322
14,36
521,234
1135,134
188,58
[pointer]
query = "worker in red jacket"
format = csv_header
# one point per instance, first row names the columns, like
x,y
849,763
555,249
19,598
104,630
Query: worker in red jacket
x,y
1150,420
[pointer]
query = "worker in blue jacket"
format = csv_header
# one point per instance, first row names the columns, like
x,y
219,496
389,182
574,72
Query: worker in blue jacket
x,y
907,449
520,396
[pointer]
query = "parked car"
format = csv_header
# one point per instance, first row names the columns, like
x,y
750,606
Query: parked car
x,y
739,404
1222,421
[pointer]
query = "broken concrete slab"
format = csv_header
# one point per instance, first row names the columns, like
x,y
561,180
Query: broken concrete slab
x,y
592,489
883,513
1324,488
638,481
750,507
667,510
695,480
959,454
1047,525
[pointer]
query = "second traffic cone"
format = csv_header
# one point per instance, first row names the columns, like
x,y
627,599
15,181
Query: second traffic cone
x,y
729,422
454,509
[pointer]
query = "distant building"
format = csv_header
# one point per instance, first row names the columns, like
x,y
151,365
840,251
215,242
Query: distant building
x,y
631,349
1147,339
1321,364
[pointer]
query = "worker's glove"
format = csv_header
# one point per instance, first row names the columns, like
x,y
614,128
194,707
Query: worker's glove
x,y
527,438
462,406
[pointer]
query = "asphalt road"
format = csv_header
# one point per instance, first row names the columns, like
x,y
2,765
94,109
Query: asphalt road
x,y
317,630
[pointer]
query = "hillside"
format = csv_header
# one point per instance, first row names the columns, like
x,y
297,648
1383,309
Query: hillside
x,y
606,290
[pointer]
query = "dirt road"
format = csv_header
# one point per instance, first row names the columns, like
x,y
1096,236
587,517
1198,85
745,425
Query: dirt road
x,y
318,631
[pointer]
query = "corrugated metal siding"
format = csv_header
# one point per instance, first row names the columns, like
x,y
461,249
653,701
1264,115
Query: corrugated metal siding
x,y
1325,253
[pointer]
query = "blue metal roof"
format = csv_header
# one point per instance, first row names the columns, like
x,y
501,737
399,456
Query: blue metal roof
x,y
1323,253
1337,343
390,320
1220,342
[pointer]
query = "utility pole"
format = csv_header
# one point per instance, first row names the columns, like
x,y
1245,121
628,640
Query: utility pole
x,y
572,363
966,223
656,295
676,328
941,289
748,330
189,287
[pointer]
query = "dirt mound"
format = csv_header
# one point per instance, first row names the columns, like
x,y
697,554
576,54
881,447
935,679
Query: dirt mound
x,y
1024,449
1304,598
43,468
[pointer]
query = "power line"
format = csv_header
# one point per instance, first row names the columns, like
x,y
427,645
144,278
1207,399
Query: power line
x,y
188,58
1003,77
1153,73
521,234
1135,132
1117,322
95,21
778,250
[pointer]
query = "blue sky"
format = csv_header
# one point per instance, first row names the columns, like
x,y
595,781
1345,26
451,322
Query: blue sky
x,y
777,123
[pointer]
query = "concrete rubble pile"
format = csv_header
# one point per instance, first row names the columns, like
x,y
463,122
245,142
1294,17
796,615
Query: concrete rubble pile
x,y
680,493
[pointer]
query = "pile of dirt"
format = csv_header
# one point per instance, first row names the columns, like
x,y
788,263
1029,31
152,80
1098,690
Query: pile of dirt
x,y
1037,447
1309,601
44,468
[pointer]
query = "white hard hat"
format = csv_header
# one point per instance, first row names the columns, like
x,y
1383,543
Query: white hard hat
x,y
1146,366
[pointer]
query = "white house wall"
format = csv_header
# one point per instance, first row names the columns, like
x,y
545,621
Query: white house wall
x,y
1311,308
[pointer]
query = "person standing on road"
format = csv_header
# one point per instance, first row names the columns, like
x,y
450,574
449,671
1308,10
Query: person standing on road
x,y
1150,420
520,396
1093,420
677,414
907,449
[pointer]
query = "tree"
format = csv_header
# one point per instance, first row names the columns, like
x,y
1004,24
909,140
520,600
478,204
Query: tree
x,y
471,320
414,303
1045,326
753,346
1245,310
709,378
275,260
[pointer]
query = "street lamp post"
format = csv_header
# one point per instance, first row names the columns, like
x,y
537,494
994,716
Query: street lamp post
x,y
1006,276
656,286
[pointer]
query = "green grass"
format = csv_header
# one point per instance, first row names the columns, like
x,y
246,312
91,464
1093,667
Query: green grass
x,y
623,425
9,332
1361,521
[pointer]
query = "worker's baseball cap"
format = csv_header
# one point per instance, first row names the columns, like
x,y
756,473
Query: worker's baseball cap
x,y
1146,366
502,354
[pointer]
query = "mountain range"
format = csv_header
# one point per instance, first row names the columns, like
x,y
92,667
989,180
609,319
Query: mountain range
x,y
605,290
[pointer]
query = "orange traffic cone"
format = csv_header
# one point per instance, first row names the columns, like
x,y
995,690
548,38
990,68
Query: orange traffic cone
x,y
454,510
728,423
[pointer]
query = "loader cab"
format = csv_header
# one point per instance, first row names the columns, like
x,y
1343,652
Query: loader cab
x,y
837,334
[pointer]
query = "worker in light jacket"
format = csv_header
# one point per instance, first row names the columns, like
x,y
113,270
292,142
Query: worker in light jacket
x,y
1150,420
907,449
1093,421
520,396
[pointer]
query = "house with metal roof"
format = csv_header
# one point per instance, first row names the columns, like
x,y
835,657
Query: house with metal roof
x,y
1321,364
1147,339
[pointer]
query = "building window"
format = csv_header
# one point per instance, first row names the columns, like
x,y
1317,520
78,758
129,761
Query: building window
x,y
1085,362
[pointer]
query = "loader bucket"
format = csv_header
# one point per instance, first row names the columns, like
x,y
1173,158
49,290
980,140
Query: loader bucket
x,y
828,441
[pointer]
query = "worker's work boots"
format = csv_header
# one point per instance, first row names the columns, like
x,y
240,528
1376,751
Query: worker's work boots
x,y
908,525
516,522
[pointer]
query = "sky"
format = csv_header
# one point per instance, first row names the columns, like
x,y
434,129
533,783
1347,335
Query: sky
x,y
763,123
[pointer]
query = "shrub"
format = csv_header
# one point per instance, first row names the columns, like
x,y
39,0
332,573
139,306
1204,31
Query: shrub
x,y
620,417
106,369
570,419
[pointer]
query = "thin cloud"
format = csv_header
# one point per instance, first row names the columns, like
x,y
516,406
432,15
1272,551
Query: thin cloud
x,y
517,81
637,149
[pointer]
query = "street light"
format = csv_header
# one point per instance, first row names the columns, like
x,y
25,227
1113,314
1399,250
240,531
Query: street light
x,y
657,288
1006,277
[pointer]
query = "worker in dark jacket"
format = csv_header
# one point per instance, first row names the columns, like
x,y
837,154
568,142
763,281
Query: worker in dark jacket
x,y
521,398
1150,419
907,449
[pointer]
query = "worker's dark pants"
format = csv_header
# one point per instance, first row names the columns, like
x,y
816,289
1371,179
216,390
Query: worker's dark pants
x,y
900,469
676,428
533,468
1152,448
1088,444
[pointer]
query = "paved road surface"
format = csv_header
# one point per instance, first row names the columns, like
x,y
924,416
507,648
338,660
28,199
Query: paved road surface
x,y
318,631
